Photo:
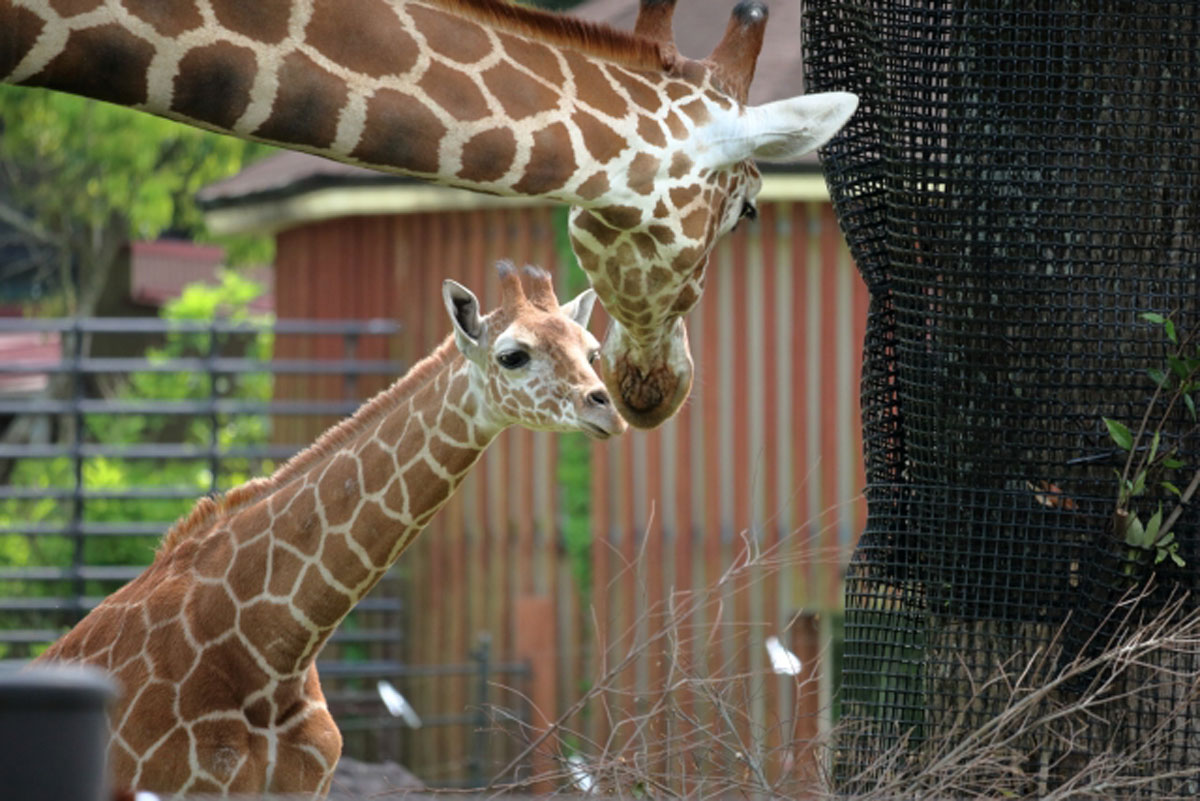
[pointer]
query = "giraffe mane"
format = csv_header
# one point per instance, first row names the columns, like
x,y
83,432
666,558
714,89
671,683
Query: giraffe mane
x,y
211,508
593,38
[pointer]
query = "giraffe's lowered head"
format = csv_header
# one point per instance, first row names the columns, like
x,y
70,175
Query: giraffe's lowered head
x,y
646,258
532,360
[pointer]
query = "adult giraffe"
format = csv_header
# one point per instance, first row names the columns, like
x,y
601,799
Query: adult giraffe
x,y
654,151
215,642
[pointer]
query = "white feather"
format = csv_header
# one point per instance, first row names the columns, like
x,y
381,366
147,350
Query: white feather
x,y
397,704
783,661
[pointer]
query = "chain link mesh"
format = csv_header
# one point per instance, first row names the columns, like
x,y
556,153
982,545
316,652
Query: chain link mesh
x,y
1020,184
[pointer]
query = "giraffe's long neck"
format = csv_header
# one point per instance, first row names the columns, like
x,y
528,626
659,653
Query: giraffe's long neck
x,y
463,92
297,557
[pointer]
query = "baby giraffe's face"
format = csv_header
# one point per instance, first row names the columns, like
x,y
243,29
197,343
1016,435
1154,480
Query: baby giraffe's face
x,y
534,359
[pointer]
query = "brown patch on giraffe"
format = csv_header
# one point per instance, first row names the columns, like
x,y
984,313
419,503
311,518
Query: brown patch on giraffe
x,y
264,20
22,34
258,714
632,286
453,458
450,36
662,233
646,246
209,611
338,490
166,600
593,87
131,642
253,519
520,95
306,107
589,222
300,520
346,564
148,710
121,761
247,574
69,8
682,197
661,212
400,132
643,95
678,90
551,161
533,56
600,140
425,487
688,259
697,111
623,218
166,769
168,17
680,164
377,466
719,99
657,278
650,131
363,35
106,63
642,172
635,304
285,570
319,602
213,555
695,224
220,746
260,622
595,186
488,155
613,269
373,526
171,656
676,125
685,301
454,91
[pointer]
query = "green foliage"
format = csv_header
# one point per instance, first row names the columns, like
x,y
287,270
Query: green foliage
x,y
1152,463
72,167
229,298
574,450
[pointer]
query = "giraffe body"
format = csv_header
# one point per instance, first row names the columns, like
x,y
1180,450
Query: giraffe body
x,y
215,643
654,151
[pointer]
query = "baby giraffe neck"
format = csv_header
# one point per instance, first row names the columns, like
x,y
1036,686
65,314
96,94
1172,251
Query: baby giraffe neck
x,y
301,557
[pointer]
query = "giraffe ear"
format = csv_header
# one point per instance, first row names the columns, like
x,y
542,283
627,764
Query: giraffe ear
x,y
784,130
579,309
463,308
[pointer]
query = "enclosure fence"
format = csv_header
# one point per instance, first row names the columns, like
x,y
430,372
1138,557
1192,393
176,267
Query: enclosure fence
x,y
106,445
1020,189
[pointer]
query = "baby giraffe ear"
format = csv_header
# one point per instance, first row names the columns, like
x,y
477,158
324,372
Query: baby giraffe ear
x,y
463,308
580,308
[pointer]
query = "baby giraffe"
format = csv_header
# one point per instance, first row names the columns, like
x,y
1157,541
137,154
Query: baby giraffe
x,y
214,644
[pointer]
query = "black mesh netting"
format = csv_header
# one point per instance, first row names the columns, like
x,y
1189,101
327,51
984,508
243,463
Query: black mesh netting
x,y
1020,185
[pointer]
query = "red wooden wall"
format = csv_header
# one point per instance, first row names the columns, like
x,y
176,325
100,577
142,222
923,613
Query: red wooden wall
x,y
765,456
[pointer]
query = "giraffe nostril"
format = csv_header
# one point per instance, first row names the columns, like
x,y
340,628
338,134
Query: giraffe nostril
x,y
597,397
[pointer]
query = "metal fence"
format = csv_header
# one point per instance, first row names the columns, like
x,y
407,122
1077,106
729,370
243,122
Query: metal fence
x,y
113,427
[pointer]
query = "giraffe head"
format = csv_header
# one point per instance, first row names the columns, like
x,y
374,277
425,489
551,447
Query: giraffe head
x,y
687,182
532,360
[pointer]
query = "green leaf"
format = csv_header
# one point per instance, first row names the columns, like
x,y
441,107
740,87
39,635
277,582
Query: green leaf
x,y
1154,446
1119,433
1173,464
1178,367
1159,377
1135,532
1169,487
1169,327
1191,404
1139,484
1177,559
1153,317
1152,526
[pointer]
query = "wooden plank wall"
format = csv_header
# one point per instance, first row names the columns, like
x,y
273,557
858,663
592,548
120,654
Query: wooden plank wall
x,y
765,458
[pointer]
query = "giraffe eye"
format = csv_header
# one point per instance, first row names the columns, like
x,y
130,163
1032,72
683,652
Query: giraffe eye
x,y
748,210
593,356
513,359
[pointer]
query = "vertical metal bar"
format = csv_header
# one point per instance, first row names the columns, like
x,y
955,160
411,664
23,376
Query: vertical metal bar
x,y
75,526
214,422
481,655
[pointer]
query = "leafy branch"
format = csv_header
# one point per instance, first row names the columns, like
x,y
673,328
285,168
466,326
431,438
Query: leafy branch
x,y
1148,465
